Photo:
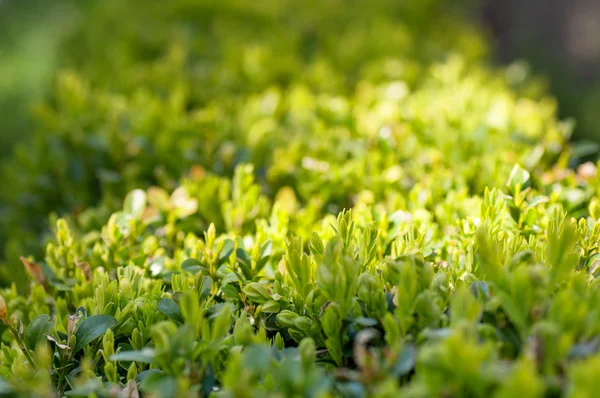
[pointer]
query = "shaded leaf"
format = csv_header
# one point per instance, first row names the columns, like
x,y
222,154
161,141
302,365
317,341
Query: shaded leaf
x,y
36,331
226,250
147,373
406,361
160,385
192,266
170,308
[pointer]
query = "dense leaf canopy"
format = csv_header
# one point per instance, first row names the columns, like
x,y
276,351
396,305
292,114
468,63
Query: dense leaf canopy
x,y
292,199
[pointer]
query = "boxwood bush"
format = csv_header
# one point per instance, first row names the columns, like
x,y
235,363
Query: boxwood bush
x,y
147,90
362,221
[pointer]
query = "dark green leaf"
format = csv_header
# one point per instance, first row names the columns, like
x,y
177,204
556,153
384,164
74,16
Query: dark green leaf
x,y
226,251
159,385
36,330
257,358
147,373
91,328
406,361
243,261
170,308
192,266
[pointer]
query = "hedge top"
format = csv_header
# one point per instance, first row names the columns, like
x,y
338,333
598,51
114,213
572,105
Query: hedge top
x,y
139,102
313,213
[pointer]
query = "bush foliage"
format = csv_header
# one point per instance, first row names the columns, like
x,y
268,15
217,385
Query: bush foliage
x,y
206,83
297,199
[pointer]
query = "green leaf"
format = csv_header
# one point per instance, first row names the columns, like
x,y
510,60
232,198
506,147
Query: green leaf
x,y
593,265
257,358
480,290
515,312
85,390
518,179
406,361
146,355
226,250
170,308
91,328
36,330
230,290
243,261
146,374
192,266
159,385
265,254
537,200
561,252
214,311
257,292
490,255
584,148
270,307
206,286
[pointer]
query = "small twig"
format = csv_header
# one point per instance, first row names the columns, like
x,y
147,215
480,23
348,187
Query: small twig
x,y
21,345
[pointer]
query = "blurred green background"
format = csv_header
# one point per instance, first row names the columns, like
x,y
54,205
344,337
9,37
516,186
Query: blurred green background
x,y
30,33
559,39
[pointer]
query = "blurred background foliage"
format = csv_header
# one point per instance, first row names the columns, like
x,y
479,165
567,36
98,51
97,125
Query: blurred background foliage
x,y
30,33
558,39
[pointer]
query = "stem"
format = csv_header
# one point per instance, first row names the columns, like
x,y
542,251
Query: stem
x,y
21,345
